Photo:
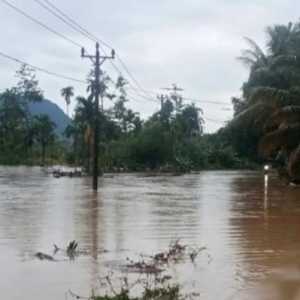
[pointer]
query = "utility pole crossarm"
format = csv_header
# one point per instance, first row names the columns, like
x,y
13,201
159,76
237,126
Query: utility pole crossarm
x,y
102,58
174,88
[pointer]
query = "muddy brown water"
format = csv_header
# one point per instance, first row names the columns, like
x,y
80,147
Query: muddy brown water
x,y
251,229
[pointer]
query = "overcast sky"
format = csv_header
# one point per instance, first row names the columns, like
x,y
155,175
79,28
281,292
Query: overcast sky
x,y
193,43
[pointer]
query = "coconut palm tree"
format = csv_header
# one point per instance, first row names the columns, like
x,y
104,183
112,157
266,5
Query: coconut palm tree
x,y
44,134
271,100
282,38
67,93
84,118
254,57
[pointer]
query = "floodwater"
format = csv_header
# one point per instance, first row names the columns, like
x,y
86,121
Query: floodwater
x,y
250,225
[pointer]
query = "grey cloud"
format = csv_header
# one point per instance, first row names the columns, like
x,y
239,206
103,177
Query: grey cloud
x,y
191,42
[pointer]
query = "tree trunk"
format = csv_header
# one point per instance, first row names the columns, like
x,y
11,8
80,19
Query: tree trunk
x,y
43,154
88,165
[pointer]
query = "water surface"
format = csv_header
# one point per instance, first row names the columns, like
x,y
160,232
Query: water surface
x,y
250,229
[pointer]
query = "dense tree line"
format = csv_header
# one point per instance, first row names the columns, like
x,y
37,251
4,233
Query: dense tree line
x,y
171,139
25,139
266,124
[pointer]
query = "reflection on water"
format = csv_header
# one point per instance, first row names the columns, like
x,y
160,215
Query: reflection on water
x,y
266,188
248,221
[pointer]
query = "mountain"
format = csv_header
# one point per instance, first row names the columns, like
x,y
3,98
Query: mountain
x,y
54,112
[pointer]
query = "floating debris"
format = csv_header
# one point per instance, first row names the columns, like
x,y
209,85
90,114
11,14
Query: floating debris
x,y
77,172
44,256
72,249
56,249
195,252
157,263
143,267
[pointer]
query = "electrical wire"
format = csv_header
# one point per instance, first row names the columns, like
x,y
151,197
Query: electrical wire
x,y
78,28
71,22
76,24
206,101
215,120
23,13
64,20
58,75
41,69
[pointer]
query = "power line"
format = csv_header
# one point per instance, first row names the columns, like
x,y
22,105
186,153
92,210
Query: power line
x,y
75,26
148,99
197,100
138,100
139,89
192,99
215,120
71,22
130,74
51,73
41,69
82,29
143,96
186,98
206,101
135,91
67,22
23,13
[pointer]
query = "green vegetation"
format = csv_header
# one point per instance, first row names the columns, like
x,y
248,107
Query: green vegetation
x,y
43,133
152,279
171,140
67,93
265,125
24,138
152,287
267,117
167,293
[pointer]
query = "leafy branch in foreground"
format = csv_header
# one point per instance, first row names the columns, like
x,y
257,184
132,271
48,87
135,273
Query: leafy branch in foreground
x,y
151,283
151,287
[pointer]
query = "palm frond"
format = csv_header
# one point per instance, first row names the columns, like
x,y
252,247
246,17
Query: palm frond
x,y
251,116
293,167
251,54
260,71
269,96
247,61
283,138
259,52
283,117
253,57
283,60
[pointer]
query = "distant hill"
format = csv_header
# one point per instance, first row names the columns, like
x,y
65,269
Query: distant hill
x,y
54,112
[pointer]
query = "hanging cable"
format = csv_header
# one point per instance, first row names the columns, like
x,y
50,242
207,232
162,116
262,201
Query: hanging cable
x,y
23,13
41,69
71,22
64,20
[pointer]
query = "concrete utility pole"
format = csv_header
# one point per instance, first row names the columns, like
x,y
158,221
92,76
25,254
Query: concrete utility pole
x,y
174,95
97,60
162,99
